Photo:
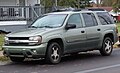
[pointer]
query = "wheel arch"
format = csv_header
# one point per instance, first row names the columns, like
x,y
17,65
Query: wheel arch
x,y
59,41
110,35
3,32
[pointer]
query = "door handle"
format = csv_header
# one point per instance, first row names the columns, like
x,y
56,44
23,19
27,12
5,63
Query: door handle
x,y
82,31
98,29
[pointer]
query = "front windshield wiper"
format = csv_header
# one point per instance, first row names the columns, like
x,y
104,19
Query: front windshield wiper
x,y
41,27
33,27
46,27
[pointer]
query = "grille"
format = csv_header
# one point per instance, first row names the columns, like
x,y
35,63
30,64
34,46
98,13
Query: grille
x,y
18,44
18,38
16,53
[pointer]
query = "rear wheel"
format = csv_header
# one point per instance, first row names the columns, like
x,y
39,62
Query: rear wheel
x,y
53,53
107,47
17,59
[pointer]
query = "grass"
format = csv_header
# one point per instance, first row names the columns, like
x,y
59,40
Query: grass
x,y
1,40
118,26
3,58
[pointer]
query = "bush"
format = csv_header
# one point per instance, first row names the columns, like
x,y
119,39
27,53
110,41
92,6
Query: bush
x,y
118,26
1,40
3,58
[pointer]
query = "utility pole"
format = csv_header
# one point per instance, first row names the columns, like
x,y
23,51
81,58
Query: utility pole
x,y
78,2
56,3
97,3
39,2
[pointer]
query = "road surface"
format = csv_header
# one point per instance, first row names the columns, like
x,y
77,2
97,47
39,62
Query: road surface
x,y
90,62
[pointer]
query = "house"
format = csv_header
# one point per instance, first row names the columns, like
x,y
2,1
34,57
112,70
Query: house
x,y
16,14
19,2
15,9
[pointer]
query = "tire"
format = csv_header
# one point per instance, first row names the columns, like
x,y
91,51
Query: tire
x,y
17,59
107,47
53,53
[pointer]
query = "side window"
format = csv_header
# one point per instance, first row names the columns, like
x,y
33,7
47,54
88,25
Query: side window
x,y
102,20
89,19
75,19
106,17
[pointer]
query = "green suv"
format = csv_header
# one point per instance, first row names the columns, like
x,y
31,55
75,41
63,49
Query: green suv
x,y
56,34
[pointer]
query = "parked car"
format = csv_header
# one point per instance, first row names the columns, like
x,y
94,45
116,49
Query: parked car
x,y
59,33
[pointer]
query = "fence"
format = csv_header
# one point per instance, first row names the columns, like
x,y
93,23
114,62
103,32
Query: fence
x,y
21,12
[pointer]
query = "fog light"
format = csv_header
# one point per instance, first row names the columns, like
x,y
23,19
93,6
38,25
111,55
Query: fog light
x,y
34,51
23,49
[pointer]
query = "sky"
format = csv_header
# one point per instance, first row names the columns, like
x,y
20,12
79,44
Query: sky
x,y
94,1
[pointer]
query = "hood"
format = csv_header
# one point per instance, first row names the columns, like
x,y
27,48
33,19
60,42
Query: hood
x,y
29,32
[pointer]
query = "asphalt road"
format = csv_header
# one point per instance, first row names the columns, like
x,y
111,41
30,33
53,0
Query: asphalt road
x,y
90,62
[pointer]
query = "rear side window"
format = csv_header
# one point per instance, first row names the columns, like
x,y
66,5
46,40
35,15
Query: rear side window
x,y
89,19
105,18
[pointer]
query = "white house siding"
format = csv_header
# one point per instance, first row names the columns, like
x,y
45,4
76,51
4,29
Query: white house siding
x,y
8,2
16,2
31,2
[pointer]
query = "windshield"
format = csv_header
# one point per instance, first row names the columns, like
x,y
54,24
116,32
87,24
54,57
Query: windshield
x,y
49,21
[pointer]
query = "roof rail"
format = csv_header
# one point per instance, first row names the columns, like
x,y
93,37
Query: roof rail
x,y
90,9
64,9
73,9
96,9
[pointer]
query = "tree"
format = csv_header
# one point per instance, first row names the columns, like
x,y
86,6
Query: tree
x,y
50,4
108,2
75,3
47,3
66,3
116,6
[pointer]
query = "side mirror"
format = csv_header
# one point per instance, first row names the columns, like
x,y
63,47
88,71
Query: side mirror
x,y
70,26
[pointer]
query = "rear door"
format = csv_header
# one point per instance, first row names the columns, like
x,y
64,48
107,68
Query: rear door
x,y
92,29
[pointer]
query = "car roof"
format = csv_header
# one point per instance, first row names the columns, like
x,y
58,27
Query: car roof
x,y
72,12
65,12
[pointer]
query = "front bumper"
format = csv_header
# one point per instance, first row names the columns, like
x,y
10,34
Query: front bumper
x,y
25,51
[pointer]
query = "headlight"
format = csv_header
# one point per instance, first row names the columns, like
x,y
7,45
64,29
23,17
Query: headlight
x,y
6,40
35,40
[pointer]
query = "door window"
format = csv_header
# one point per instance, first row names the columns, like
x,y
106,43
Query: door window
x,y
89,19
75,19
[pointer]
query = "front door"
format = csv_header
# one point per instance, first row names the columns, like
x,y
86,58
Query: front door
x,y
75,38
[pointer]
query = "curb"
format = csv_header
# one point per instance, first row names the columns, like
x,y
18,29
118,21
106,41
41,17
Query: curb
x,y
117,43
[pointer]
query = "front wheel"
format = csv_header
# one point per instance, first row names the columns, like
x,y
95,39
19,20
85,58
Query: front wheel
x,y
53,53
107,47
